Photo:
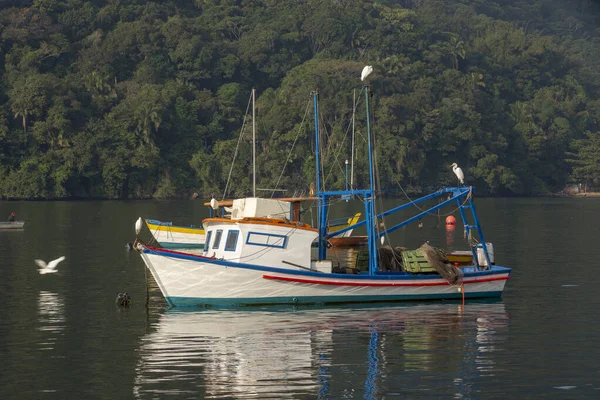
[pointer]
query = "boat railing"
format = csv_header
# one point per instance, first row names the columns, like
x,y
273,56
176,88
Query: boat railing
x,y
157,222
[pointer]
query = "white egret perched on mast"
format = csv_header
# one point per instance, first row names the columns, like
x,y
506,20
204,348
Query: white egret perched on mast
x,y
366,72
459,173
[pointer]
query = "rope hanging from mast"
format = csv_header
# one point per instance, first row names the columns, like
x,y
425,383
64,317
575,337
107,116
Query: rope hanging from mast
x,y
236,148
293,145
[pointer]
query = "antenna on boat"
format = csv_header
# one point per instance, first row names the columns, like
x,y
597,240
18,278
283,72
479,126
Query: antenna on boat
x,y
317,153
352,147
253,142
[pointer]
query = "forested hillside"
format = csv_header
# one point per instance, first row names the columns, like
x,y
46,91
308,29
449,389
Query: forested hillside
x,y
138,99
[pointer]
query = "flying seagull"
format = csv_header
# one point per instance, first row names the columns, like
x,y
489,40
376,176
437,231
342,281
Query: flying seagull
x,y
49,268
459,173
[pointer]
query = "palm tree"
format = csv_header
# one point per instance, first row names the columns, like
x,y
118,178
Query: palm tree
x,y
23,113
457,49
146,115
27,98
474,80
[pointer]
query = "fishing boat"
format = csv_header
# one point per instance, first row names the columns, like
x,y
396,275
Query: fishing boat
x,y
171,236
12,225
249,260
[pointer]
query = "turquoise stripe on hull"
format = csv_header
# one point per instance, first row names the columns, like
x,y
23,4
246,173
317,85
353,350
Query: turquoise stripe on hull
x,y
180,246
200,302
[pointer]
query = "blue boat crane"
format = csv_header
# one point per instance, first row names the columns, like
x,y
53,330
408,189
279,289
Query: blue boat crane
x,y
463,196
460,195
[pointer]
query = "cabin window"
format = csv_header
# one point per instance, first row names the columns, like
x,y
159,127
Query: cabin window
x,y
207,241
267,240
217,239
231,242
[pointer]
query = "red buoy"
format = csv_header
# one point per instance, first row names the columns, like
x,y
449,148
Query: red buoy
x,y
450,220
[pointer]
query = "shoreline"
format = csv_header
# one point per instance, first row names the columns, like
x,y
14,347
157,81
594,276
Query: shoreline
x,y
588,194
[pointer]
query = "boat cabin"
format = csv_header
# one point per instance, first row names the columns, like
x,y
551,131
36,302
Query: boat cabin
x,y
260,232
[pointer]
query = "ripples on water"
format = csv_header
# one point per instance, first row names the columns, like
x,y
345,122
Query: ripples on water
x,y
51,318
322,352
61,336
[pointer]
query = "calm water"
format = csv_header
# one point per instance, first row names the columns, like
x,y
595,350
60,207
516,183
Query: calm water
x,y
61,335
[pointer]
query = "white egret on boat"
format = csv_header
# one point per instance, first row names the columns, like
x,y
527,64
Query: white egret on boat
x,y
366,72
138,226
214,203
49,268
458,172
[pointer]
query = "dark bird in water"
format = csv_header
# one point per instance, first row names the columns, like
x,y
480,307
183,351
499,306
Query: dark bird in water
x,y
129,246
123,300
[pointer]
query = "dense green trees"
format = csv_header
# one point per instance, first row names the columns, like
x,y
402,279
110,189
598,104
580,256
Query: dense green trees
x,y
137,99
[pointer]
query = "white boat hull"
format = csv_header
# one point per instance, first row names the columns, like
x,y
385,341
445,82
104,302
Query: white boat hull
x,y
12,225
190,280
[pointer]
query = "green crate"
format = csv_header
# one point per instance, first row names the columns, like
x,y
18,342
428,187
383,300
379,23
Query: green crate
x,y
414,261
362,260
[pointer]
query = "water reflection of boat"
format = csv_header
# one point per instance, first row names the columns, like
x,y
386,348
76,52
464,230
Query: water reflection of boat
x,y
313,352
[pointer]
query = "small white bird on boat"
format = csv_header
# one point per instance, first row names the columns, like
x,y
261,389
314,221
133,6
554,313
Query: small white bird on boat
x,y
459,173
138,226
49,268
366,72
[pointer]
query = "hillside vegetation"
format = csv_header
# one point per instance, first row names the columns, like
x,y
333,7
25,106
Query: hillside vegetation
x,y
139,99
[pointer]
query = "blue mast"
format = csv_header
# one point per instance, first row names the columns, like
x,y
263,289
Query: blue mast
x,y
321,209
370,216
368,195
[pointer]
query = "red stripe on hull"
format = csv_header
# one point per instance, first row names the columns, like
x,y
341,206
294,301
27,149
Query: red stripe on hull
x,y
338,283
